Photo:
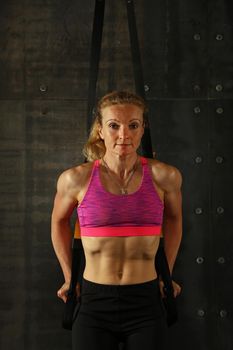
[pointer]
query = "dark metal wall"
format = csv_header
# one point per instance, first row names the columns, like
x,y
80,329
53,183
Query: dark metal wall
x,y
187,57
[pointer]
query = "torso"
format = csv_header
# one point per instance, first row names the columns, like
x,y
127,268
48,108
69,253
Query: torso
x,y
120,260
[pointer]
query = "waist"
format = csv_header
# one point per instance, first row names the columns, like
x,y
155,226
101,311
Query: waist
x,y
90,285
113,270
108,231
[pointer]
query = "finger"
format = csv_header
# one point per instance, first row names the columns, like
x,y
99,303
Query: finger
x,y
162,294
61,295
162,291
177,291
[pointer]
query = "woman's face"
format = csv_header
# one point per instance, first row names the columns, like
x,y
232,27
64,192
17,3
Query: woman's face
x,y
122,128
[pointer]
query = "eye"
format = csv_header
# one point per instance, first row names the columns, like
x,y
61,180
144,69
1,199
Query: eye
x,y
113,126
134,126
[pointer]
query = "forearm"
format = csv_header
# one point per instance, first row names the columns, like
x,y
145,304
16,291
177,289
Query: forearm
x,y
62,243
172,233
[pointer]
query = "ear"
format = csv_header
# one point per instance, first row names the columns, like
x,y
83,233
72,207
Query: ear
x,y
101,132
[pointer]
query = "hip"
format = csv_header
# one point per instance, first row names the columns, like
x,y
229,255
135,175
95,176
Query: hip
x,y
129,305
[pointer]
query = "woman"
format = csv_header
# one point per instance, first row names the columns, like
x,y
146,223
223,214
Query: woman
x,y
124,203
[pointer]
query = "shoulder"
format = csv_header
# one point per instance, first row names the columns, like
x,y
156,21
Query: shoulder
x,y
74,178
167,176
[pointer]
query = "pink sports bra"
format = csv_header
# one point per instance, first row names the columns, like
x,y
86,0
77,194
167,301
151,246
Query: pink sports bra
x,y
103,214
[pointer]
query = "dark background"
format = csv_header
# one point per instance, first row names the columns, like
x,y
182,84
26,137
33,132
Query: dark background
x,y
187,57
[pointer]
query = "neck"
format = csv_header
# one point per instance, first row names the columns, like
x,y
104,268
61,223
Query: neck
x,y
121,165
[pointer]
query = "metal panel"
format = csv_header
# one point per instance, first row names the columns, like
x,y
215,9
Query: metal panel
x,y
12,208
176,55
54,137
11,50
196,136
57,49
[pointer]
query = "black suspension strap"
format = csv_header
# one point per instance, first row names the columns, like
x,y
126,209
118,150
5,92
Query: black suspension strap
x,y
96,40
138,73
77,268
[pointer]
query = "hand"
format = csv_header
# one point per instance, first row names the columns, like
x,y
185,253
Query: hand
x,y
62,292
176,288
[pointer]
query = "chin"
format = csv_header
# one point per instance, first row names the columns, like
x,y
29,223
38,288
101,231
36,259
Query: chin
x,y
124,154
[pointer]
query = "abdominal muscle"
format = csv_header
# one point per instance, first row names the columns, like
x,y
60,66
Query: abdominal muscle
x,y
120,260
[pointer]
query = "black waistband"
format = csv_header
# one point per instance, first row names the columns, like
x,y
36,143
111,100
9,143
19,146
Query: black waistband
x,y
90,285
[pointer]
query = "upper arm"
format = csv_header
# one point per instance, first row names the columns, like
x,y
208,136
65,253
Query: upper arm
x,y
172,193
66,196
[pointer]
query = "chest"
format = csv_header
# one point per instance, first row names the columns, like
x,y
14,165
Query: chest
x,y
112,186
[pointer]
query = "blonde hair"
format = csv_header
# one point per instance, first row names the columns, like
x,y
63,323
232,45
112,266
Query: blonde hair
x,y
95,147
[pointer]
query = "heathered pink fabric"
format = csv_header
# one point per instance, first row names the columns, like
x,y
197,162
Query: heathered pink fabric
x,y
102,213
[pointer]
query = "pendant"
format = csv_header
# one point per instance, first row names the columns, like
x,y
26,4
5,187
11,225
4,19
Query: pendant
x,y
124,191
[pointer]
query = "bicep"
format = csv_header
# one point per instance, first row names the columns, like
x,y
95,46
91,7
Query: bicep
x,y
65,200
63,207
173,195
173,203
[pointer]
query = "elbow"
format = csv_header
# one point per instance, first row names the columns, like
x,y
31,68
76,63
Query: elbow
x,y
57,218
58,225
173,226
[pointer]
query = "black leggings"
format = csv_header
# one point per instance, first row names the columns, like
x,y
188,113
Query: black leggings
x,y
131,314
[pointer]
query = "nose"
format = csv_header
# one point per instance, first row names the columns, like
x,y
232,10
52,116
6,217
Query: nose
x,y
124,132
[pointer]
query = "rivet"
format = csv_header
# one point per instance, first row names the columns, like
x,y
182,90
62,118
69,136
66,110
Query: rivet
x,y
146,88
196,88
219,159
223,313
43,88
197,36
197,110
219,110
219,37
200,260
201,313
221,260
198,159
219,87
44,111
198,211
220,210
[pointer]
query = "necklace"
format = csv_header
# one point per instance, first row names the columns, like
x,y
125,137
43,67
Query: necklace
x,y
123,189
